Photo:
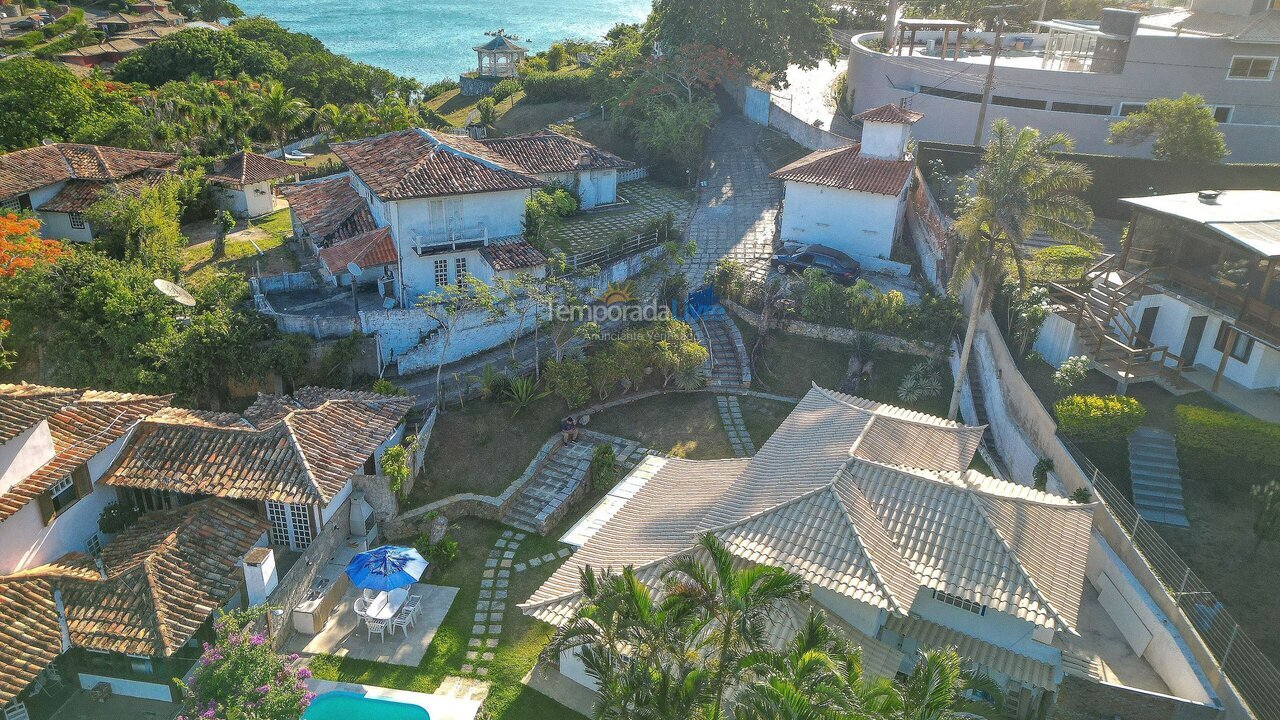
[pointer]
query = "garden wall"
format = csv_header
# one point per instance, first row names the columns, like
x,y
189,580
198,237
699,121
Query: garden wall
x,y
297,582
758,106
843,336
284,282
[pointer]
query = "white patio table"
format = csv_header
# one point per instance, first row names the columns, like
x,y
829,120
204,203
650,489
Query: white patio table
x,y
385,605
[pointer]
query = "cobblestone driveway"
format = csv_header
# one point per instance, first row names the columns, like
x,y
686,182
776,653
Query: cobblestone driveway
x,y
735,213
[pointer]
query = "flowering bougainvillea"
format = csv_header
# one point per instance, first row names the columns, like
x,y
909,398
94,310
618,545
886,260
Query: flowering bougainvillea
x,y
240,676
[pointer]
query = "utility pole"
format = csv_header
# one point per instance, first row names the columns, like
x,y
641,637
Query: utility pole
x,y
991,71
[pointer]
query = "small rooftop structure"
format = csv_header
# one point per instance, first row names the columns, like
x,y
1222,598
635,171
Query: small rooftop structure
x,y
499,56
914,25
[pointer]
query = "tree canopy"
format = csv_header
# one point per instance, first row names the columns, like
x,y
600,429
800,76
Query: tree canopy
x,y
1184,130
38,100
209,54
768,35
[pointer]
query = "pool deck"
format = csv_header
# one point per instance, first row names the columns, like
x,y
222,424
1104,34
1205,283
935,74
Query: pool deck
x,y
343,634
438,707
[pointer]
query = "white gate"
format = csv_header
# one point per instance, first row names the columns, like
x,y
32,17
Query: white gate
x,y
290,525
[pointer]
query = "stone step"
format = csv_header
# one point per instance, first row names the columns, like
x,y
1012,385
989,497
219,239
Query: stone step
x,y
1164,518
1142,502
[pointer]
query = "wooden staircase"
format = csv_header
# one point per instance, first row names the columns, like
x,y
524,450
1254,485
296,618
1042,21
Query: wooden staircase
x,y
1106,332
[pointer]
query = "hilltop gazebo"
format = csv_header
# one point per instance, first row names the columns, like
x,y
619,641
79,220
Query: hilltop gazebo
x,y
498,57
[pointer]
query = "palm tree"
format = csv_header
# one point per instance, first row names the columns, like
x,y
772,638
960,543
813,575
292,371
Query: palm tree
x,y
1021,189
939,688
281,111
735,604
818,676
641,652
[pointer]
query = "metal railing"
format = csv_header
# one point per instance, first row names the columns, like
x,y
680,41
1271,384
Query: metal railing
x,y
1245,666
615,250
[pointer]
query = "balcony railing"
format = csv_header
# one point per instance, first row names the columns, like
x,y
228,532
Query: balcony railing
x,y
426,242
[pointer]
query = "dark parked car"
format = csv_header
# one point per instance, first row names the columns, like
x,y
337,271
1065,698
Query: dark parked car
x,y
796,258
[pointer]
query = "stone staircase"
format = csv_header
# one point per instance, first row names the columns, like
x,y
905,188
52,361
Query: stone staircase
x,y
727,365
561,478
1156,477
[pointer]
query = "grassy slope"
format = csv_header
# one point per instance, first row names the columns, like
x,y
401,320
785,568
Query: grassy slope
x,y
681,425
242,255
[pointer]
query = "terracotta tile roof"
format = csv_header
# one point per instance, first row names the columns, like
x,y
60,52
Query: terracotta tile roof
x,y
550,152
248,168
890,113
25,170
82,423
30,638
165,576
294,450
512,254
120,46
844,168
80,195
372,249
329,210
416,163
852,517
151,32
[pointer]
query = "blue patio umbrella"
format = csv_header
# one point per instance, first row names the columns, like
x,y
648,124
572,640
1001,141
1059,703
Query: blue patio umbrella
x,y
386,568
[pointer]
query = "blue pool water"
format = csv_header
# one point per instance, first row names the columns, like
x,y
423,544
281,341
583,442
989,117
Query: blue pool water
x,y
432,39
350,706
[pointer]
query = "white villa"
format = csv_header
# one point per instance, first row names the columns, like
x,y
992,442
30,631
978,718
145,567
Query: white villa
x,y
853,199
904,548
236,510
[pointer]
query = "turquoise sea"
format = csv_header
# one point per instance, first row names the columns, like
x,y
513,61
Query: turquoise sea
x,y
432,39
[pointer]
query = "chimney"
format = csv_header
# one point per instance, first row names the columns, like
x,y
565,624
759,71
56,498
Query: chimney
x,y
260,578
885,140
102,567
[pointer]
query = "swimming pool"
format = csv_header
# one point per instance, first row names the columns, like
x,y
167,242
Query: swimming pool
x,y
341,705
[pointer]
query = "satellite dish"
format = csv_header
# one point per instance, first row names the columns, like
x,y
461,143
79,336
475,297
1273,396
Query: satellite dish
x,y
176,292
354,269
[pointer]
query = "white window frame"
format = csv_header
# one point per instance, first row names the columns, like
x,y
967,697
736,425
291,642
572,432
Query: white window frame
x,y
1140,105
93,545
291,525
77,220
440,270
459,268
1270,75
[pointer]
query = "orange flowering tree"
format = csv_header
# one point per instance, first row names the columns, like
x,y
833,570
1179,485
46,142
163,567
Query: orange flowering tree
x,y
21,248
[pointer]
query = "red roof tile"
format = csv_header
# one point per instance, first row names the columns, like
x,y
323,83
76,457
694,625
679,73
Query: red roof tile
x,y
298,451
329,210
846,169
81,425
512,254
416,163
30,638
26,170
80,195
551,152
371,249
889,114
248,168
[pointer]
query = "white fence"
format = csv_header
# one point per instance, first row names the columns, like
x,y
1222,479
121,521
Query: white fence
x,y
632,174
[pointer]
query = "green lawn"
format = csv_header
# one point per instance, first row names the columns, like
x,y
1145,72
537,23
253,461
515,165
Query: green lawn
x,y
266,250
521,640
525,117
682,425
456,107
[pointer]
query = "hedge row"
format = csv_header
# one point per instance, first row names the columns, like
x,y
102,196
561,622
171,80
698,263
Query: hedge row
x,y
1227,447
1098,418
545,87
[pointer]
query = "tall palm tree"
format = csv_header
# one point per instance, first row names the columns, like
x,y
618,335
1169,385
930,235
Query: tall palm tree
x,y
1021,189
939,688
281,111
735,604
818,676
329,120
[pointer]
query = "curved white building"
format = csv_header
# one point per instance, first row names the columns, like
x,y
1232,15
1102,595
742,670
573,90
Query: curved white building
x,y
1079,77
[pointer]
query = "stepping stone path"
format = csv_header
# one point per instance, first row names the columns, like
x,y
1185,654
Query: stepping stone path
x,y
731,418
557,474
1156,477
491,607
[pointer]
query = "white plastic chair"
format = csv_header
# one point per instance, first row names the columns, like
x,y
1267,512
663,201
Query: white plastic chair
x,y
375,626
403,621
361,606
415,602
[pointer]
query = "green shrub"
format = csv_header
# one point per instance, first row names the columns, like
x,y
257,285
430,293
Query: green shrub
x,y
504,89
545,87
604,467
438,88
383,386
1224,446
567,379
441,555
1103,418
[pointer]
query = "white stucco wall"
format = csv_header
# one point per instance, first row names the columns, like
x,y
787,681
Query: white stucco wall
x,y
502,213
861,225
860,615
26,542
58,227
1262,370
251,201
24,454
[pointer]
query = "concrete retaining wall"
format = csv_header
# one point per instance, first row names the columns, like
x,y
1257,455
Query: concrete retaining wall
x,y
843,336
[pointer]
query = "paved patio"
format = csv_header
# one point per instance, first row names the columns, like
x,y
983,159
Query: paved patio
x,y
645,200
1262,404
343,635
82,706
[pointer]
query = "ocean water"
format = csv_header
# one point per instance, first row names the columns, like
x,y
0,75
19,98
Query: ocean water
x,y
432,39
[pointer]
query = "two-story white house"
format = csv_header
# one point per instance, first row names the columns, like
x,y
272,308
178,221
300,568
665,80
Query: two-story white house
x,y
853,199
903,548
583,169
